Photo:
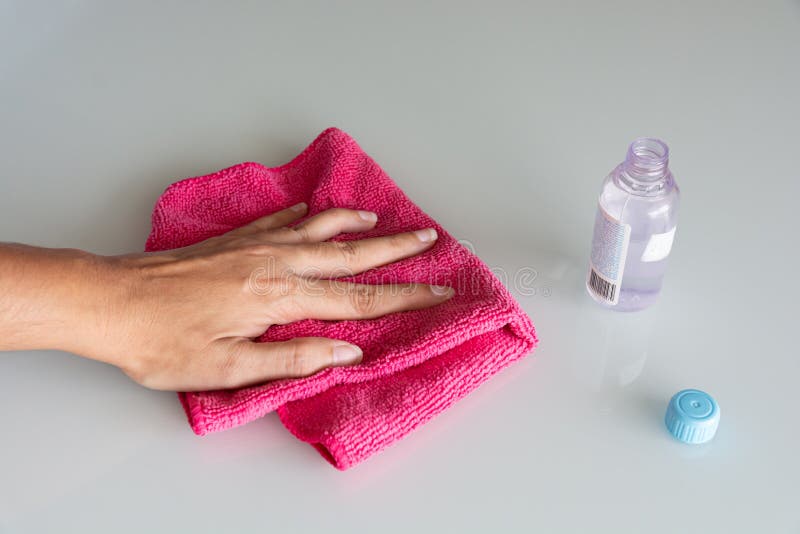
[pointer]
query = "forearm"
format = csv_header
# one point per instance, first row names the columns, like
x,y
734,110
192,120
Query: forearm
x,y
53,299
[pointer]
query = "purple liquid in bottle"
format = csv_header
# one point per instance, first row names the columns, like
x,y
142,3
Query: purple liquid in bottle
x,y
634,229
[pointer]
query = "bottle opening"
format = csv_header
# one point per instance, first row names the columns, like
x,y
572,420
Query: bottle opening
x,y
647,158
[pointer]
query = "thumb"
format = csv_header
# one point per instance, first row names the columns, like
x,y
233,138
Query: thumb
x,y
302,356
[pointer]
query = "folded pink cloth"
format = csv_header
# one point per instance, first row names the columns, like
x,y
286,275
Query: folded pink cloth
x,y
415,364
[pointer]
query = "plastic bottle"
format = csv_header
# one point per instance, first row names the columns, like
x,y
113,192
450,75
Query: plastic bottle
x,y
634,229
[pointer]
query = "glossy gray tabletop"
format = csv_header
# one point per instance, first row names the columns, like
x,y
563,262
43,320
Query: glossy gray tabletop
x,y
499,120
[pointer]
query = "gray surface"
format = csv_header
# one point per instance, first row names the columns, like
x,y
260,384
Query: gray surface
x,y
501,122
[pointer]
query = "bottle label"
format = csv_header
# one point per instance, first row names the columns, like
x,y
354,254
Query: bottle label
x,y
658,246
609,250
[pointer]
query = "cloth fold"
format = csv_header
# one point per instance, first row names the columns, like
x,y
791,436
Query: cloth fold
x,y
416,363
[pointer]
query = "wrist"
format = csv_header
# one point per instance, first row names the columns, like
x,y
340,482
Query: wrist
x,y
102,287
62,299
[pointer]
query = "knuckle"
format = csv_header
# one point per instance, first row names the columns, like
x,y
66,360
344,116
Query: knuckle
x,y
364,299
302,232
297,360
228,364
315,250
265,223
254,248
279,234
336,213
348,249
398,241
344,214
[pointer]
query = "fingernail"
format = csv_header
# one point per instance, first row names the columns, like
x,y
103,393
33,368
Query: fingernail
x,y
427,235
346,354
299,207
442,291
368,216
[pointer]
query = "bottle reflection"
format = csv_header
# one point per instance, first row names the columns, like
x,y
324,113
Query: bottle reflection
x,y
611,348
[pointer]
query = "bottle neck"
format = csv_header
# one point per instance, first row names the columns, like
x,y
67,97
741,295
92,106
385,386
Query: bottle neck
x,y
645,170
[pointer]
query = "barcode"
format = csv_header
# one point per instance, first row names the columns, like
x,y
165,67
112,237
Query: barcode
x,y
602,287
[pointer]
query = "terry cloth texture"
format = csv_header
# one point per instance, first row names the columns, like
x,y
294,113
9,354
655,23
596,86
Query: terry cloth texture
x,y
416,364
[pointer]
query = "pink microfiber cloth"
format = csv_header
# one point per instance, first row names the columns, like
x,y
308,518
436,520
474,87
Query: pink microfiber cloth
x,y
415,364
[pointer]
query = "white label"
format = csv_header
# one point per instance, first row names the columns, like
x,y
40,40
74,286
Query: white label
x,y
658,246
609,250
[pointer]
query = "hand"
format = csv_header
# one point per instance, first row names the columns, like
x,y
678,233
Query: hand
x,y
184,319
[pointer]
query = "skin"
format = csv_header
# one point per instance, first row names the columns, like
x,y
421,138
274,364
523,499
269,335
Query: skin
x,y
185,319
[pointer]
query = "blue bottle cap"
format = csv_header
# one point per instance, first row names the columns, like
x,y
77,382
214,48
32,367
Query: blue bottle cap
x,y
692,416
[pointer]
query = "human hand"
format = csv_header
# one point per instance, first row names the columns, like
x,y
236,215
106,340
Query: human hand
x,y
184,319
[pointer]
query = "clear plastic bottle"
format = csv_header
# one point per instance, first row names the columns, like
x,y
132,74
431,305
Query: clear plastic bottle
x,y
634,229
